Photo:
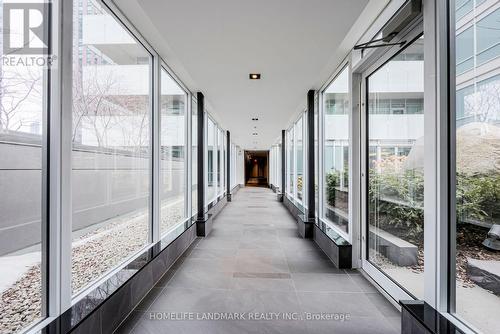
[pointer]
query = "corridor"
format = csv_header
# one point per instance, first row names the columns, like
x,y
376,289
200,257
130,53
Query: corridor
x,y
253,263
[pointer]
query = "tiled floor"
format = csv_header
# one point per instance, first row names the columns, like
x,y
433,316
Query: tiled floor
x,y
254,263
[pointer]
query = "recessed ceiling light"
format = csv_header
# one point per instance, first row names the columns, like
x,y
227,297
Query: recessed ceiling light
x,y
254,76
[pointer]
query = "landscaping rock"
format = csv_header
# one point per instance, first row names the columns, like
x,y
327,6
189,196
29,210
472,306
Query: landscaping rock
x,y
485,273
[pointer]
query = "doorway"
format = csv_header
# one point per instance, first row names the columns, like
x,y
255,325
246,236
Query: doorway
x,y
392,138
256,168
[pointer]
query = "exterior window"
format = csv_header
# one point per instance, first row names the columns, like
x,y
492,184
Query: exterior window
x,y
194,156
477,189
396,182
172,153
23,102
111,146
336,154
290,161
488,37
211,162
299,127
465,50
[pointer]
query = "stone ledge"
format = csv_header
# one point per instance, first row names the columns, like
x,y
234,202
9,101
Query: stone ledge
x,y
396,250
305,226
485,273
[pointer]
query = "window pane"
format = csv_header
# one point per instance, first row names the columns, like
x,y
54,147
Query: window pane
x,y
299,158
290,160
396,182
488,37
477,292
336,153
194,161
465,50
211,163
220,174
111,150
23,103
173,143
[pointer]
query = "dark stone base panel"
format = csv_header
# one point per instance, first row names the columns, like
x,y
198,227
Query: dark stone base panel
x,y
217,208
295,211
418,317
305,226
113,310
340,255
204,226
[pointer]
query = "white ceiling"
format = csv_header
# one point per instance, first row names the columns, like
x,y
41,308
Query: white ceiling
x,y
213,45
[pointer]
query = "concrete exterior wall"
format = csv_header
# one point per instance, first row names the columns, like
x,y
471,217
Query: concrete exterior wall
x,y
104,186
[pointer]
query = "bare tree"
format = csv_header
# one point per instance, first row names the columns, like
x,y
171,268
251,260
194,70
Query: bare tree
x,y
484,104
92,104
17,89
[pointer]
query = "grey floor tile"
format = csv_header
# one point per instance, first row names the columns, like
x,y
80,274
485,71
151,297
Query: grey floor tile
x,y
324,282
252,301
364,284
255,262
354,304
190,300
212,254
312,266
208,265
384,305
264,284
356,325
209,280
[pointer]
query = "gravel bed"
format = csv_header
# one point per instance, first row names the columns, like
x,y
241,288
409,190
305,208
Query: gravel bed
x,y
93,254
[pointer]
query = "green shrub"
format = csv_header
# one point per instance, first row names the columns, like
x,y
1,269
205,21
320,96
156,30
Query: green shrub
x,y
332,182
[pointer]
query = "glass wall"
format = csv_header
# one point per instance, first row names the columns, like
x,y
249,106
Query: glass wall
x,y
194,156
336,152
111,144
23,115
395,123
219,160
211,187
290,161
299,159
173,141
477,169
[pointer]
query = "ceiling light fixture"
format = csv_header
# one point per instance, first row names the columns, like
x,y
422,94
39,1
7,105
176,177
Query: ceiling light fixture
x,y
254,134
255,119
254,76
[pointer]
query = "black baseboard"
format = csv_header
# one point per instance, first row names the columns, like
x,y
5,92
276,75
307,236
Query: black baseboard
x,y
418,317
106,307
333,245
204,225
305,226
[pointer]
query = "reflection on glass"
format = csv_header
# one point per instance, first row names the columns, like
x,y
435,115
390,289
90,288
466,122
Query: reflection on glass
x,y
300,158
336,152
211,162
172,152
22,103
396,181
194,161
477,148
290,160
111,150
